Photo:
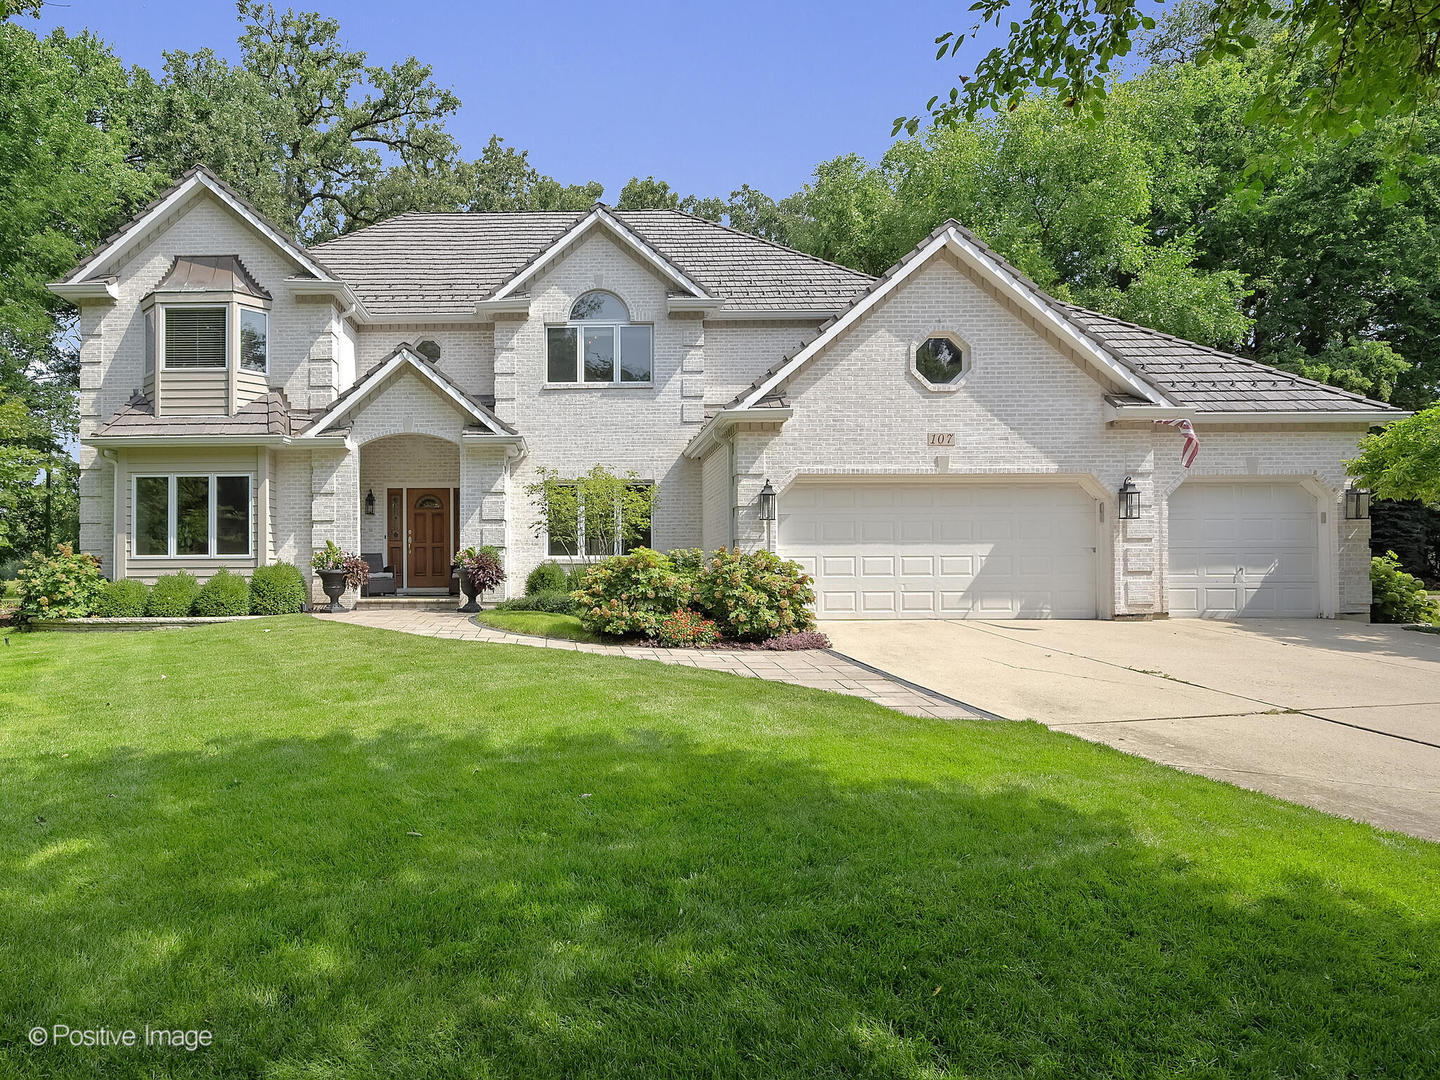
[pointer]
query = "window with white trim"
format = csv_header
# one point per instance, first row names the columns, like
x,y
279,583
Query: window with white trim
x,y
599,346
191,515
254,341
571,530
195,337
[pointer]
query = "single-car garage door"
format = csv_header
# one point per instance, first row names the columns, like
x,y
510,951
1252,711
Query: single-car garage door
x,y
937,550
1242,550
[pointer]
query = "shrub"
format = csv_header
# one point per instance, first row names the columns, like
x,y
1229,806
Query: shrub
x,y
547,577
123,599
755,596
553,601
688,562
278,589
1397,596
686,630
173,595
65,585
224,594
631,594
575,577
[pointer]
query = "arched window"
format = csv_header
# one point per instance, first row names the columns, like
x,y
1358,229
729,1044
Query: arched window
x,y
599,346
597,306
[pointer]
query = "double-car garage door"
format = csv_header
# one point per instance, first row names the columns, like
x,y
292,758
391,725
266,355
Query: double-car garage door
x,y
943,550
896,549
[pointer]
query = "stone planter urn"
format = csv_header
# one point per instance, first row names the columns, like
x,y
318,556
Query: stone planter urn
x,y
467,586
335,585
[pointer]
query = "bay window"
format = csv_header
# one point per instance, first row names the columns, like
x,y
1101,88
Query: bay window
x,y
599,346
254,341
191,515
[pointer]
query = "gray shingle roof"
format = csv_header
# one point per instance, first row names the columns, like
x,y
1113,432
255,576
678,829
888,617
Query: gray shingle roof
x,y
1208,380
269,414
421,263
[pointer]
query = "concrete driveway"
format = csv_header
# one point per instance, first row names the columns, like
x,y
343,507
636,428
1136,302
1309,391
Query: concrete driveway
x,y
1341,716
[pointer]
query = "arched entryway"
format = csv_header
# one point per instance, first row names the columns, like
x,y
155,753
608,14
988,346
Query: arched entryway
x,y
410,509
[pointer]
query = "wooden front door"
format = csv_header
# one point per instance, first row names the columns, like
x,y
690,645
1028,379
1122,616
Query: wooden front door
x,y
428,566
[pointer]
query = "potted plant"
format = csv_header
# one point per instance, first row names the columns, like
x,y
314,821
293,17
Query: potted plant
x,y
338,570
479,569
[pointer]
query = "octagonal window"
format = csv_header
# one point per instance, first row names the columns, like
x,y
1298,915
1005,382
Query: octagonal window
x,y
940,361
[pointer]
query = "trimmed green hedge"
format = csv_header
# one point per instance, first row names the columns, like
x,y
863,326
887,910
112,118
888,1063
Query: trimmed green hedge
x,y
123,599
278,589
173,596
553,601
225,594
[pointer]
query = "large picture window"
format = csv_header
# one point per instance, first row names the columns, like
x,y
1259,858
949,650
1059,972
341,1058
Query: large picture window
x,y
191,515
195,336
574,525
600,346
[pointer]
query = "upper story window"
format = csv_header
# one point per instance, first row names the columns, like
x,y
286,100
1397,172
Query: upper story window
x,y
207,313
599,346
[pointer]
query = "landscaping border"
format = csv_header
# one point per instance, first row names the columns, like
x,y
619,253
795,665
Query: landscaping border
x,y
145,622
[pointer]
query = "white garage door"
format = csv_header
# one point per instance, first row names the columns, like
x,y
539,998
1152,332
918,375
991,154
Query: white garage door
x,y
1242,550
897,549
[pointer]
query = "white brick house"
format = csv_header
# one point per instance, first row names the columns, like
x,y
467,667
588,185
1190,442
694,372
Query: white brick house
x,y
946,441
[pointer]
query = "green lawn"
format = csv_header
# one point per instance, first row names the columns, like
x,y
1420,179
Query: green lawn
x,y
540,624
356,853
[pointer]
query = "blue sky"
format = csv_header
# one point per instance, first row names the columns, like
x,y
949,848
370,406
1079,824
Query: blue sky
x,y
705,96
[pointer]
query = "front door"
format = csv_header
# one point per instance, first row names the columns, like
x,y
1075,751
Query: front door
x,y
429,539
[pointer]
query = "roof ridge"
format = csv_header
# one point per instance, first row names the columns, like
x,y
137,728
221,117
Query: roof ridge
x,y
750,236
1252,361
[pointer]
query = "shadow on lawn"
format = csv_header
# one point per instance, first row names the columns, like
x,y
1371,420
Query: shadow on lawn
x,y
588,906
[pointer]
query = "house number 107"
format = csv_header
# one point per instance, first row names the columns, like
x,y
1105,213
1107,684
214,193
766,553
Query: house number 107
x,y
940,438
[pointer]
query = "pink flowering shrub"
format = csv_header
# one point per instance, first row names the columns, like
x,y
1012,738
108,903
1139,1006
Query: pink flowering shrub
x,y
755,596
687,630
631,594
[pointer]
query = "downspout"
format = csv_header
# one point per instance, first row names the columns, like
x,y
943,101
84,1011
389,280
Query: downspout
x,y
734,489
113,457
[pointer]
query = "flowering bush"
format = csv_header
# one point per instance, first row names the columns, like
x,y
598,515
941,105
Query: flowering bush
x,y
754,596
60,586
481,566
631,594
686,630
1398,597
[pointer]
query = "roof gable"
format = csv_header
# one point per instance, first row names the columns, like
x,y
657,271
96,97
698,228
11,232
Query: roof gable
x,y
600,218
196,183
971,253
405,358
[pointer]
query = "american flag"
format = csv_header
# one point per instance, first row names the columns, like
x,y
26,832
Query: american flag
x,y
1191,448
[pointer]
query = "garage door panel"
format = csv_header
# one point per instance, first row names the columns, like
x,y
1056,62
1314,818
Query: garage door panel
x,y
946,549
1243,550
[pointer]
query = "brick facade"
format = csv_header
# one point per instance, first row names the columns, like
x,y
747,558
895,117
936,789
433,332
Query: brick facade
x,y
1025,410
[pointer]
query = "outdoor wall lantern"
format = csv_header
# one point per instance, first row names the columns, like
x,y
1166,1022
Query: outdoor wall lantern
x,y
1357,503
767,502
370,502
1129,500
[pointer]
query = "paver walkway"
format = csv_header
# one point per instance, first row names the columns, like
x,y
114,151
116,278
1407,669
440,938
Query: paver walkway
x,y
820,670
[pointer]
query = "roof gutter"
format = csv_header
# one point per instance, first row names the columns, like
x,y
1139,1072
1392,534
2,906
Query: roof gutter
x,y
75,291
300,286
1200,417
122,441
514,444
713,431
